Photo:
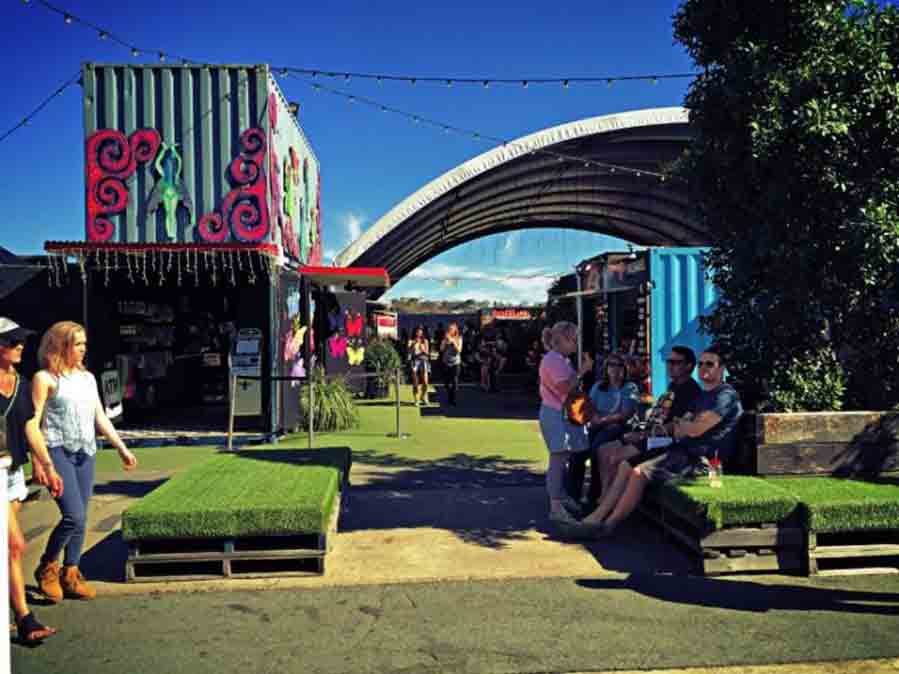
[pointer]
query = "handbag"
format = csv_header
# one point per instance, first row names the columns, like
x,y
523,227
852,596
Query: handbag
x,y
578,408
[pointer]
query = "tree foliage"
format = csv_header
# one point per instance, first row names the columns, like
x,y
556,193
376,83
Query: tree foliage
x,y
794,167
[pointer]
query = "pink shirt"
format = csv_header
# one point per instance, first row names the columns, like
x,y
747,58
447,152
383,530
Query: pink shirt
x,y
554,369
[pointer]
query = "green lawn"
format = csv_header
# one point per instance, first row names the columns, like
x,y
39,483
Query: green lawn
x,y
248,493
478,430
833,504
741,501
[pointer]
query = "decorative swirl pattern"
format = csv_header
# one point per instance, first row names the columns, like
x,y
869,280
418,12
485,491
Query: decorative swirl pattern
x,y
212,228
111,159
100,229
244,208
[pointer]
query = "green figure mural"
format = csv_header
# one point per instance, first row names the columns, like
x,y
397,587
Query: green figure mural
x,y
170,189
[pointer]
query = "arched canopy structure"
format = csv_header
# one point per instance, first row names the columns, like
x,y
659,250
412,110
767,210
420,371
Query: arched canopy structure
x,y
516,187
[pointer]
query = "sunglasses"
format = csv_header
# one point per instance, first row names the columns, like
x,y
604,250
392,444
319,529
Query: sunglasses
x,y
708,363
11,344
675,361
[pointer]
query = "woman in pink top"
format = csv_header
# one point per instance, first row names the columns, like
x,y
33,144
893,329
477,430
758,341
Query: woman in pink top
x,y
557,377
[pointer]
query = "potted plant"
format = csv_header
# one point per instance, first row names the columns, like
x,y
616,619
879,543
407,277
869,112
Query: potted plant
x,y
382,359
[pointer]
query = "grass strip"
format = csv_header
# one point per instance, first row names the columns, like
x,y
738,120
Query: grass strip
x,y
249,493
830,504
741,501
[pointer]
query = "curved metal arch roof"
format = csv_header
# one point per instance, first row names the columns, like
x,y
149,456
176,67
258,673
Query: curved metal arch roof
x,y
513,187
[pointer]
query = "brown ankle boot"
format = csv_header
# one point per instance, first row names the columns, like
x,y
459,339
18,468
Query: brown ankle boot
x,y
73,584
47,577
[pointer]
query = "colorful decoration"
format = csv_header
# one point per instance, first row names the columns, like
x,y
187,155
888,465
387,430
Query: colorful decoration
x,y
315,257
244,211
353,325
111,159
170,190
355,355
337,345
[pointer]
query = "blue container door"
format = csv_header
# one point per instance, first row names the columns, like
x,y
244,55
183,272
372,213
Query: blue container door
x,y
681,293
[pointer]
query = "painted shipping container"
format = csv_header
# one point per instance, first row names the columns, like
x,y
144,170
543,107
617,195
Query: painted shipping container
x,y
197,154
644,302
681,293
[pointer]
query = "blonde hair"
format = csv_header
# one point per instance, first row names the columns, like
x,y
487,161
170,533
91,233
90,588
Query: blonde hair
x,y
551,336
56,344
452,330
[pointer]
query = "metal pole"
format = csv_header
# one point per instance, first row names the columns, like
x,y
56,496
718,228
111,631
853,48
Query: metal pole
x,y
231,411
397,390
311,408
579,303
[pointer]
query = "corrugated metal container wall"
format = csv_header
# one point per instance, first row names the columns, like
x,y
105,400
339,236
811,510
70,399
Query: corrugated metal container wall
x,y
681,293
182,153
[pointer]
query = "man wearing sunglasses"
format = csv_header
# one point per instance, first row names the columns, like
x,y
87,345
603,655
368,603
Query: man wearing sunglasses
x,y
20,435
712,431
675,403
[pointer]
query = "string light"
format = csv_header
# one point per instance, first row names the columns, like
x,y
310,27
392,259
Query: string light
x,y
26,120
652,78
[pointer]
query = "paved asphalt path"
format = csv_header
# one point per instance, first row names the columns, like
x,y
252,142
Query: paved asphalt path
x,y
549,625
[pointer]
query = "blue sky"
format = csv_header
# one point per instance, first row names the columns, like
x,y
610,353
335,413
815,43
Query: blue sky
x,y
370,160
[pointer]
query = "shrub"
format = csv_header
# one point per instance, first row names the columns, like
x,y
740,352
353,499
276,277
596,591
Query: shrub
x,y
810,384
382,358
335,409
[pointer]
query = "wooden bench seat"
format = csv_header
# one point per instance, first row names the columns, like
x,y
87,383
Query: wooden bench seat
x,y
748,524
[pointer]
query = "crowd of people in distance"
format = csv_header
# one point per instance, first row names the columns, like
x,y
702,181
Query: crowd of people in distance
x,y
684,429
452,355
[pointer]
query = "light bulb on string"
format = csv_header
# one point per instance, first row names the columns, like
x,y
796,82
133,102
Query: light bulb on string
x,y
67,19
524,84
379,80
102,35
609,82
565,84
314,74
486,84
135,52
346,77
284,72
654,80
162,57
449,84
412,81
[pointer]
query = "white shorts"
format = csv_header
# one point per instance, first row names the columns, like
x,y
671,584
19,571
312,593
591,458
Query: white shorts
x,y
15,485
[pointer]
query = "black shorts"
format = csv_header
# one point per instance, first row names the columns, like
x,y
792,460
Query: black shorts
x,y
670,464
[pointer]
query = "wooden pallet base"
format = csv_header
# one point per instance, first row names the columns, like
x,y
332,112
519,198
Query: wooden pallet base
x,y
154,560
852,553
766,547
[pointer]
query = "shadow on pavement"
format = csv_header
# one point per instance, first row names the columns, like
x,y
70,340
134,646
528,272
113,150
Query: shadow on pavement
x,y
105,561
135,489
743,595
473,403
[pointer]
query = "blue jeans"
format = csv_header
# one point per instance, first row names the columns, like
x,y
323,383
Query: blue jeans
x,y
77,472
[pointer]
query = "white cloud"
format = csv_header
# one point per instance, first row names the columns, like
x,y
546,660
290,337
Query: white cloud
x,y
352,224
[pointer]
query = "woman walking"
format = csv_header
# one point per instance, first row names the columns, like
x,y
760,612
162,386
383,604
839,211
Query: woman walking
x,y
451,350
557,378
419,349
68,403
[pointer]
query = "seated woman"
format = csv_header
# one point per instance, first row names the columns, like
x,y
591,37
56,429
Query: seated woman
x,y
615,401
713,431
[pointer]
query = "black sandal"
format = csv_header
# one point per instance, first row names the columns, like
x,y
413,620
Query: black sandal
x,y
32,632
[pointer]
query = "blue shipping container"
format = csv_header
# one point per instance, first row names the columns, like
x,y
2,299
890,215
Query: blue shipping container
x,y
681,293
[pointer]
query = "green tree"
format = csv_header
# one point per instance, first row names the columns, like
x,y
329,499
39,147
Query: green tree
x,y
794,167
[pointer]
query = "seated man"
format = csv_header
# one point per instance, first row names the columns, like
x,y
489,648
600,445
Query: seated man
x,y
673,404
711,432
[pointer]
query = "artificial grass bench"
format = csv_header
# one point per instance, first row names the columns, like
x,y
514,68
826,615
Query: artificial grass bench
x,y
248,513
847,522
749,524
